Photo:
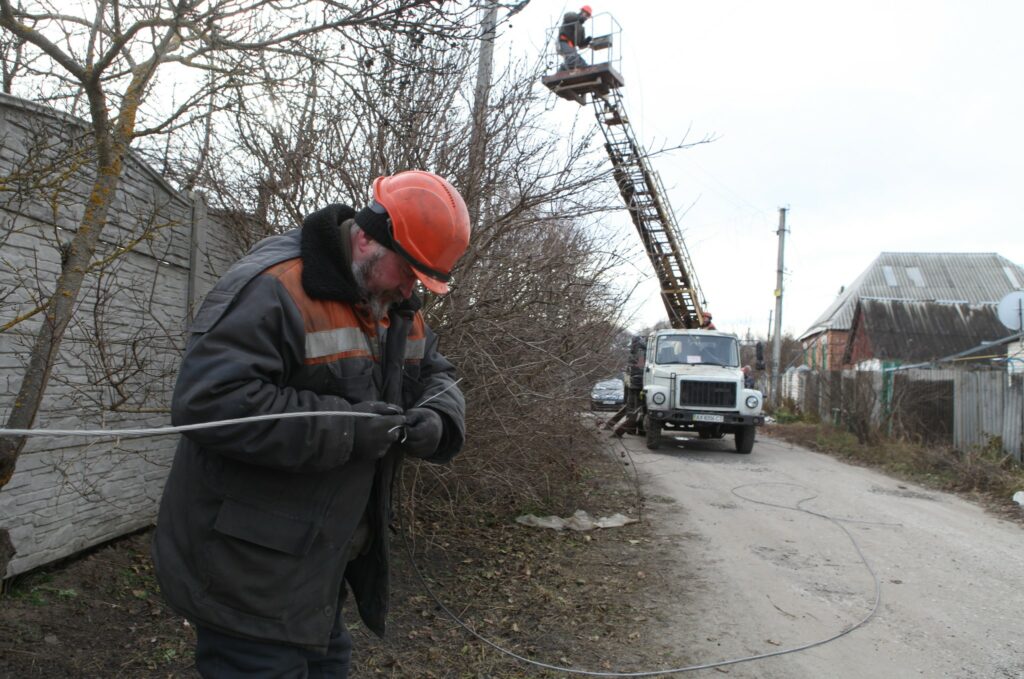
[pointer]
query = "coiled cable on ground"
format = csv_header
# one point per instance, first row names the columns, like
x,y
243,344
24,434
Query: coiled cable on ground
x,y
687,668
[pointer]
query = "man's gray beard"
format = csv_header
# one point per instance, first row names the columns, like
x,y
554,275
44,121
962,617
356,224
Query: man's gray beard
x,y
361,271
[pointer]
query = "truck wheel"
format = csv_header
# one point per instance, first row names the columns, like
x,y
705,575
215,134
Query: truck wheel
x,y
653,430
745,439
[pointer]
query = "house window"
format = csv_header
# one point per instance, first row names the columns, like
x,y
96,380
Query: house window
x,y
890,276
914,274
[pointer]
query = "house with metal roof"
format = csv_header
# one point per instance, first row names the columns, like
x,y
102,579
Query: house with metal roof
x,y
971,279
889,332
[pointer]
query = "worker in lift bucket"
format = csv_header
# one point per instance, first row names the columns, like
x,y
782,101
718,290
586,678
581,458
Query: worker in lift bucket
x,y
572,36
265,526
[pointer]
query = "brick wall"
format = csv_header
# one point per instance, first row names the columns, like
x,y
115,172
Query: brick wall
x,y
825,350
69,494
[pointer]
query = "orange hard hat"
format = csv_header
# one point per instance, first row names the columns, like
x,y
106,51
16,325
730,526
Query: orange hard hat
x,y
586,8
706,314
429,223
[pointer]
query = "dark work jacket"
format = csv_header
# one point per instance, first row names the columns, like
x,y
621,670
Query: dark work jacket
x,y
572,29
256,519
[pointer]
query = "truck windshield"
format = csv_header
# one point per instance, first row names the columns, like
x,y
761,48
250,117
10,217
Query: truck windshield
x,y
691,349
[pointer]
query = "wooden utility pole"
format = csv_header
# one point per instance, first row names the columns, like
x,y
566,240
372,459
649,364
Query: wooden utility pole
x,y
481,95
777,340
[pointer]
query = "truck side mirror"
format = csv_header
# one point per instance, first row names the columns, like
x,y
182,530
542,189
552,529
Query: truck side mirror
x,y
759,349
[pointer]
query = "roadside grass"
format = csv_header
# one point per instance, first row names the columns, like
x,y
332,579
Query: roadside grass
x,y
986,473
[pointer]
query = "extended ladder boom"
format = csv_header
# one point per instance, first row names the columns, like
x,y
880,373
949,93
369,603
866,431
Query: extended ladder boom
x,y
644,194
641,189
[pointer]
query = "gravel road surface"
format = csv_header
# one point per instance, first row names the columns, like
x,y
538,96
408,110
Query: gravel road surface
x,y
766,577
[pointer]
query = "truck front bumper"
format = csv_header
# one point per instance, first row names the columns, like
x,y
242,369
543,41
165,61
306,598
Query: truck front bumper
x,y
710,418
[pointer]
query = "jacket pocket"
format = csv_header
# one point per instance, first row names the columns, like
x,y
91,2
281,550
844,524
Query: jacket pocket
x,y
356,388
350,378
273,531
263,564
412,387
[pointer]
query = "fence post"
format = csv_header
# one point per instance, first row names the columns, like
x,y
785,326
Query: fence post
x,y
1013,417
197,245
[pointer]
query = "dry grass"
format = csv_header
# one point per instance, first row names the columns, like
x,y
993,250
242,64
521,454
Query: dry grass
x,y
986,474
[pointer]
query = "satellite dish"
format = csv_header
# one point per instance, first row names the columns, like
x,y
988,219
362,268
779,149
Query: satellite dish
x,y
1011,310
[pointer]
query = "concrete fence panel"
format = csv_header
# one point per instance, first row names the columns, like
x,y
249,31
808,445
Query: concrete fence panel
x,y
119,357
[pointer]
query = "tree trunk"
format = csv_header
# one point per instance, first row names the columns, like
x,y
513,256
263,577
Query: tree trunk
x,y
58,313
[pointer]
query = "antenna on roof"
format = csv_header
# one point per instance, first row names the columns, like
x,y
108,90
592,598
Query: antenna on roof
x,y
1011,310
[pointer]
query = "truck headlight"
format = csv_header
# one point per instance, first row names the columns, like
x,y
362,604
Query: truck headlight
x,y
658,398
752,402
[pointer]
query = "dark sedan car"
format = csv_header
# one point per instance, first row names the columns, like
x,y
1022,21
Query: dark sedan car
x,y
607,395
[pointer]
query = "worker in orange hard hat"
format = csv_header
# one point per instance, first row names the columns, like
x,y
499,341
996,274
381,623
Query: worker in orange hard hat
x,y
571,36
264,526
422,218
705,321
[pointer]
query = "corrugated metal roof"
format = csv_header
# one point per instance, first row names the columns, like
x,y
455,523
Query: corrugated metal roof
x,y
924,331
972,278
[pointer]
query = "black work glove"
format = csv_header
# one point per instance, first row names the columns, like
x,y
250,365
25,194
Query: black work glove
x,y
586,41
423,431
372,436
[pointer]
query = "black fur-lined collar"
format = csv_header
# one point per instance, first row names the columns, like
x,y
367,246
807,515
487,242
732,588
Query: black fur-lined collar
x,y
327,259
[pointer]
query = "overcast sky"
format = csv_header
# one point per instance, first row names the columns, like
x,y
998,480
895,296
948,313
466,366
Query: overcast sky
x,y
883,126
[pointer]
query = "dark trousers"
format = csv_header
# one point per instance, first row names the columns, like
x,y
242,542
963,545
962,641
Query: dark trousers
x,y
222,656
571,58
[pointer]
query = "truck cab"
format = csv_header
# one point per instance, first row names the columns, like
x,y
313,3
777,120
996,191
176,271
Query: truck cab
x,y
692,381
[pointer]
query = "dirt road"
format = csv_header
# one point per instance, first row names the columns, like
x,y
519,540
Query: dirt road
x,y
769,578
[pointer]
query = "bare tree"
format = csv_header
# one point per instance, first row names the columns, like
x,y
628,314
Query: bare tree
x,y
15,60
534,317
288,114
124,67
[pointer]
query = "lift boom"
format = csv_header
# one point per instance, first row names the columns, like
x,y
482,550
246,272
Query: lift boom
x,y
640,186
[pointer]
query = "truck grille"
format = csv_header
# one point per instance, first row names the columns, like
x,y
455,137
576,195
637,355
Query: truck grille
x,y
712,394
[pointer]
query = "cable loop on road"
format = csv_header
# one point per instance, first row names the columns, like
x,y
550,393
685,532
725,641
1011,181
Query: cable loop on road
x,y
687,668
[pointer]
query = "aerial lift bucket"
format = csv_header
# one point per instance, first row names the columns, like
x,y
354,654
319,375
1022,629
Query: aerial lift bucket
x,y
597,79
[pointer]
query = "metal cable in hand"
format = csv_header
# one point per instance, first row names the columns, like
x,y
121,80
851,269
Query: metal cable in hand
x,y
162,431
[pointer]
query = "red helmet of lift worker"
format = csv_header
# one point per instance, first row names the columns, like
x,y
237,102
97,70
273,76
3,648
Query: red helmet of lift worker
x,y
427,224
586,9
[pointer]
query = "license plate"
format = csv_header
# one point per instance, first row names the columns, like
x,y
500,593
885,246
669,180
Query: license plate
x,y
701,417
608,403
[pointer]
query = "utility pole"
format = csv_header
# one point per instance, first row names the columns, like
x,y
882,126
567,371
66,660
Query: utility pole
x,y
478,136
777,342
